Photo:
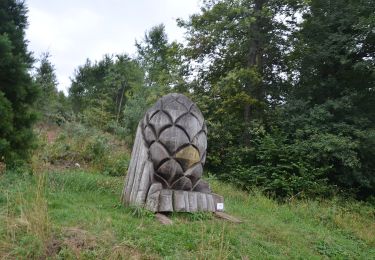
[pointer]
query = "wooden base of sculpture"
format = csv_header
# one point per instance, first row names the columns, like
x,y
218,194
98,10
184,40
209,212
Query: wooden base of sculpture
x,y
183,201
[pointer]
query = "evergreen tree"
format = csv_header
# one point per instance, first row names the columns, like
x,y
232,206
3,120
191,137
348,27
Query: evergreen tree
x,y
17,92
45,79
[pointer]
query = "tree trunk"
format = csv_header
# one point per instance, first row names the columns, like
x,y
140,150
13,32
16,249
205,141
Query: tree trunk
x,y
254,60
120,103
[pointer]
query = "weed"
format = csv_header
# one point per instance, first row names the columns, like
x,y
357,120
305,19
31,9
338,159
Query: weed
x,y
196,216
28,226
141,212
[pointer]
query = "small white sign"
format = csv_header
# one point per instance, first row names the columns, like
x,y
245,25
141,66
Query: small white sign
x,y
220,206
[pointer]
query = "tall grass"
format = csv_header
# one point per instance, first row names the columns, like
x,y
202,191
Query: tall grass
x,y
27,224
77,214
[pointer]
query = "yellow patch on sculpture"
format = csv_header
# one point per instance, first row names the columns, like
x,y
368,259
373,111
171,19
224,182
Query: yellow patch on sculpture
x,y
188,156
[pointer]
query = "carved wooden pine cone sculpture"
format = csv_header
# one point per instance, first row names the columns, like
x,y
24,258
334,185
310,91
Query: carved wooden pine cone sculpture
x,y
176,135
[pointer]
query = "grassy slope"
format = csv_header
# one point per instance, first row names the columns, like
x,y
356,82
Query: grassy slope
x,y
77,214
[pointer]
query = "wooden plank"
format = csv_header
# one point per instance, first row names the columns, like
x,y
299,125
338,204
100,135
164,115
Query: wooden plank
x,y
202,202
132,166
152,202
193,204
227,217
142,158
186,198
179,201
145,183
163,219
165,201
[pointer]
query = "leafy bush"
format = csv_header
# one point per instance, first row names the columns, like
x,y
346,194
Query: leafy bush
x,y
305,152
78,144
277,167
115,166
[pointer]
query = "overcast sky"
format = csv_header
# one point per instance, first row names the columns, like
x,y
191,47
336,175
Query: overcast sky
x,y
73,30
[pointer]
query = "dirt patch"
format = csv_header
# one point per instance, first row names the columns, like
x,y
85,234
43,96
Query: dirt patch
x,y
53,247
73,238
78,239
49,131
123,251
52,135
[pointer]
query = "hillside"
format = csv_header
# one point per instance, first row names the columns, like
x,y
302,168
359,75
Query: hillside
x,y
65,212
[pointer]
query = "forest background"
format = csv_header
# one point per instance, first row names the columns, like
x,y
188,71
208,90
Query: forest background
x,y
286,87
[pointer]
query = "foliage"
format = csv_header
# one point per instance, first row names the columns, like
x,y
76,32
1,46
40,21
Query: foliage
x,y
99,89
52,104
289,102
134,111
239,48
331,105
88,82
278,168
45,78
286,88
97,114
161,60
17,93
80,146
124,75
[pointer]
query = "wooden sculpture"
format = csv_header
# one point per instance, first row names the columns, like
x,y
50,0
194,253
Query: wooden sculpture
x,y
167,160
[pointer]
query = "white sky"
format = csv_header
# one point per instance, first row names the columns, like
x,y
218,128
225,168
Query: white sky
x,y
73,30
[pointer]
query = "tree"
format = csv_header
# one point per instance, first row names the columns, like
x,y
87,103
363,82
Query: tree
x,y
162,68
237,49
122,77
45,79
331,107
17,92
88,82
103,86
161,61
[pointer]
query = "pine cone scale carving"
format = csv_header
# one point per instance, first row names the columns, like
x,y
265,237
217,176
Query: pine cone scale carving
x,y
176,124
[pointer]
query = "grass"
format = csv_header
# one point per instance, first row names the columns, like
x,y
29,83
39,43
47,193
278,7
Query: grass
x,y
76,214
64,212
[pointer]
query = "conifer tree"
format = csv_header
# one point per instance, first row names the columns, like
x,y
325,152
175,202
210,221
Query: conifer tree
x,y
17,92
45,79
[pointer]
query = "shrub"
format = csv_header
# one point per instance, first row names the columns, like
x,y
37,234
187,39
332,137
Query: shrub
x,y
88,147
278,168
